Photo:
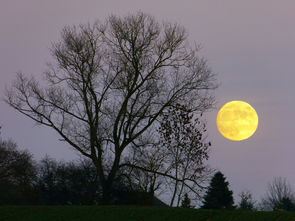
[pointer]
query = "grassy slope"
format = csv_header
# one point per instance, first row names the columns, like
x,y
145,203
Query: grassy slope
x,y
87,213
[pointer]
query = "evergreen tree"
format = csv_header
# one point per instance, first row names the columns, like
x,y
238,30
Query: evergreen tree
x,y
218,196
186,202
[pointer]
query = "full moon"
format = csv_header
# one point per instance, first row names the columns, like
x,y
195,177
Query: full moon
x,y
237,120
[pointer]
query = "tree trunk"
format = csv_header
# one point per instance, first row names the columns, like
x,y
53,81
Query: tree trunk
x,y
107,183
174,193
106,193
176,176
182,184
180,193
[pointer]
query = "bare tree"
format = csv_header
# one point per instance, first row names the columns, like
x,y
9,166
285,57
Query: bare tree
x,y
152,158
63,183
109,85
278,191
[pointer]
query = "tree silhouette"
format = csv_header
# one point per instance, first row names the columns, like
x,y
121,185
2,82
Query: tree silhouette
x,y
218,195
279,193
17,174
186,202
247,202
60,183
110,83
183,137
286,204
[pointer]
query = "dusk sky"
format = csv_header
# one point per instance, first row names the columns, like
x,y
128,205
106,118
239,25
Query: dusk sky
x,y
250,45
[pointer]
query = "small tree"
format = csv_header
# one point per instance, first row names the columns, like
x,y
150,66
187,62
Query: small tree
x,y
279,195
247,202
186,202
183,137
218,196
17,174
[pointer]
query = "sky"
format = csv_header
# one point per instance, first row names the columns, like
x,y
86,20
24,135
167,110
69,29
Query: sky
x,y
250,45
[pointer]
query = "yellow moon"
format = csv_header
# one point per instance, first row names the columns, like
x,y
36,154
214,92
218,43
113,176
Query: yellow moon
x,y
237,120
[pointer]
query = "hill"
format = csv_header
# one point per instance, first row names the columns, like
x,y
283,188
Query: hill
x,y
120,213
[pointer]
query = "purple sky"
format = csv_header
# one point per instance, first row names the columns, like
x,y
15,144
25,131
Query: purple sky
x,y
249,44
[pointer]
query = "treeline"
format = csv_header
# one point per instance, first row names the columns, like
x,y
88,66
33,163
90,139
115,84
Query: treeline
x,y
170,160
279,196
49,182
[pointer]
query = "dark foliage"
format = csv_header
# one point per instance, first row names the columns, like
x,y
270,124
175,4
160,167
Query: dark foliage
x,y
183,138
247,202
17,173
186,202
51,182
279,196
77,183
218,195
60,183
285,204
